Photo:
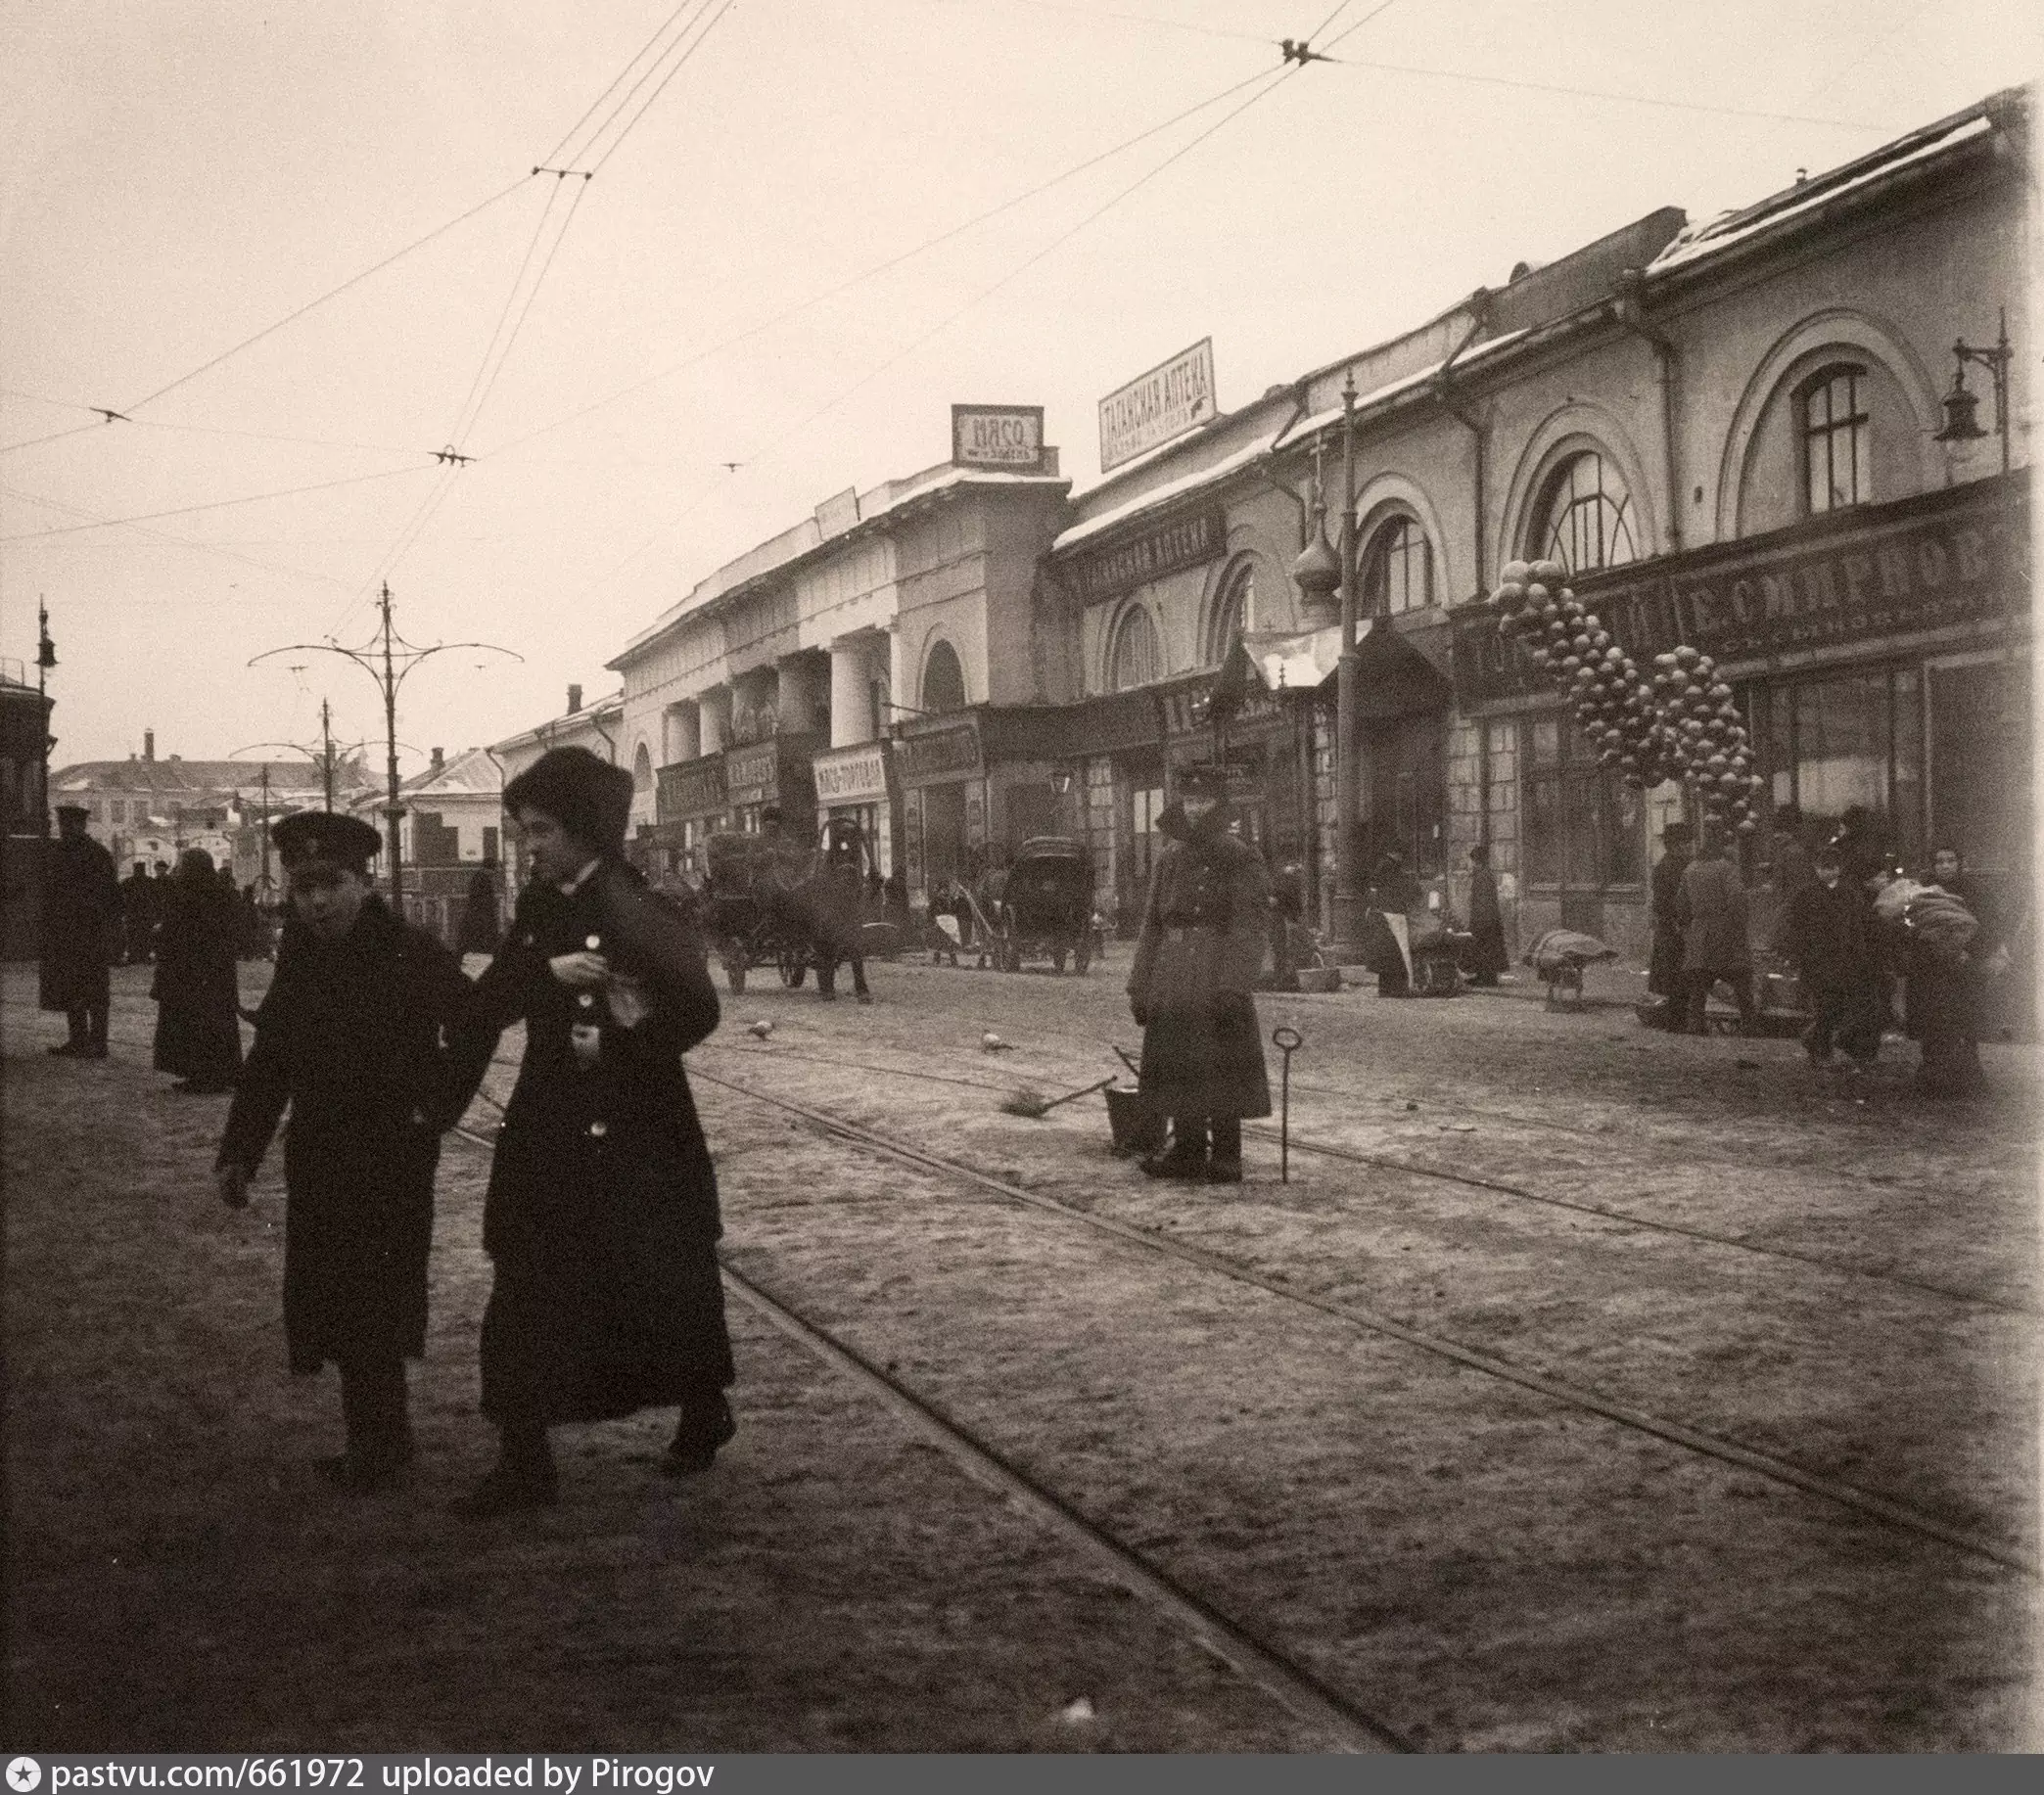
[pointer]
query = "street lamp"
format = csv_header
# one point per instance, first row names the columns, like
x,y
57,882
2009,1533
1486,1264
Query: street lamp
x,y
45,660
1962,424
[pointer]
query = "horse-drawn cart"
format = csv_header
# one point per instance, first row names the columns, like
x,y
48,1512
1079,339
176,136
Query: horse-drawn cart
x,y
753,915
1046,905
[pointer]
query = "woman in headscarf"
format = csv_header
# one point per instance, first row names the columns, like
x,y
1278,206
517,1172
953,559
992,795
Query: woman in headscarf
x,y
1950,934
602,1216
198,944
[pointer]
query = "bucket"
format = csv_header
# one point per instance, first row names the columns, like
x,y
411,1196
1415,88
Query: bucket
x,y
1135,1127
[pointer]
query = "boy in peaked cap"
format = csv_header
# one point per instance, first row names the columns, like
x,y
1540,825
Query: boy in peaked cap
x,y
352,1039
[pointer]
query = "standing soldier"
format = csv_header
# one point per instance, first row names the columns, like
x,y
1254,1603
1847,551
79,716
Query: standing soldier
x,y
602,1219
80,934
1204,932
351,1038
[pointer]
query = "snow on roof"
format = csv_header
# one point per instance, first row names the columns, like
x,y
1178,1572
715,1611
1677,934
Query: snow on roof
x,y
470,773
1155,497
1723,233
1391,390
611,705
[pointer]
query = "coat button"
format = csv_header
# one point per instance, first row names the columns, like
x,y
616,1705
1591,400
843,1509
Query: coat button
x,y
587,1000
599,1128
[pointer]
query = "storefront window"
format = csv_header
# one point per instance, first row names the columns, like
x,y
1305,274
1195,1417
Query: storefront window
x,y
1851,739
1583,826
1232,613
1145,806
944,679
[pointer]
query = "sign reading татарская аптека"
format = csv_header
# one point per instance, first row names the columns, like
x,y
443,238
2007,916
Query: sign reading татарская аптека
x,y
1156,406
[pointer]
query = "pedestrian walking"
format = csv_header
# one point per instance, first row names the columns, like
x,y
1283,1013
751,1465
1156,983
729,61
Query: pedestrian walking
x,y
601,1220
480,930
1204,929
1393,893
1826,932
1951,937
1710,904
1487,959
352,1039
81,931
1664,975
198,1033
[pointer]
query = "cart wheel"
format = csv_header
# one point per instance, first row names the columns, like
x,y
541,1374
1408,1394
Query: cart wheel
x,y
1082,955
1058,960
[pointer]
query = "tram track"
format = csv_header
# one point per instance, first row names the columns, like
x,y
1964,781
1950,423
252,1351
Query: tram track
x,y
1777,1469
1781,1471
1417,1168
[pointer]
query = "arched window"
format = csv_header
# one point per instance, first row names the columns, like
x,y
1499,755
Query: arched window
x,y
944,679
1837,439
1234,612
1584,517
1398,569
1136,658
642,771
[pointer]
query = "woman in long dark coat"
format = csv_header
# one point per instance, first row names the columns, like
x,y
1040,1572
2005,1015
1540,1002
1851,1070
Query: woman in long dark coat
x,y
603,1217
1204,932
1486,921
479,932
198,1034
1946,989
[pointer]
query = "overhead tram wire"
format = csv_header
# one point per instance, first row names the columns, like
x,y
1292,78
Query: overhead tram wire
x,y
55,436
1595,93
333,292
221,504
878,269
568,137
481,387
1149,19
1272,78
164,535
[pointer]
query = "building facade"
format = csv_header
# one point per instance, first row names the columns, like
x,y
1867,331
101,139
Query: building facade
x,y
1733,434
25,735
856,666
595,727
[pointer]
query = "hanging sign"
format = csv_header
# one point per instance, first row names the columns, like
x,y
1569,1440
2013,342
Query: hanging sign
x,y
1154,407
1009,438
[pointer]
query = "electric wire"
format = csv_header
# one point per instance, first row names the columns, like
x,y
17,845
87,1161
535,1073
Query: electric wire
x,y
554,155
454,435
218,504
333,292
1148,18
631,123
55,436
877,268
1272,79
1348,32
164,535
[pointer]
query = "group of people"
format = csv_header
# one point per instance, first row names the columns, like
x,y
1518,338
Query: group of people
x,y
602,1213
1847,945
145,895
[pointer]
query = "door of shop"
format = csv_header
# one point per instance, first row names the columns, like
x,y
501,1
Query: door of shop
x,y
943,835
1403,765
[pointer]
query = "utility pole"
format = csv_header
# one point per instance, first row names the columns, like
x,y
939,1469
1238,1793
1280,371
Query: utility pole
x,y
45,659
1345,912
266,826
326,752
399,658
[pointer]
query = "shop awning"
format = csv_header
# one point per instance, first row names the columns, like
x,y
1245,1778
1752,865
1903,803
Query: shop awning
x,y
1396,678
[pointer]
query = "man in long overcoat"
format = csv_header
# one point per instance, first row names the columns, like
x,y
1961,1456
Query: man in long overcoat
x,y
352,1038
1664,977
81,925
1826,932
197,1033
138,916
603,1217
1710,904
1486,920
1204,929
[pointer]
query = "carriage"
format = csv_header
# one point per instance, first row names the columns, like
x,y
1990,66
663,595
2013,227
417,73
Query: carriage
x,y
1045,906
752,913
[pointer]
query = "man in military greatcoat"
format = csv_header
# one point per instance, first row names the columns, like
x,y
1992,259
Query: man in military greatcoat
x,y
602,1219
1204,929
81,920
353,1039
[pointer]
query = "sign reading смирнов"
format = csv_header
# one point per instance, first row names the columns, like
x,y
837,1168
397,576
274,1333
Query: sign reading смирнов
x,y
1154,407
1006,436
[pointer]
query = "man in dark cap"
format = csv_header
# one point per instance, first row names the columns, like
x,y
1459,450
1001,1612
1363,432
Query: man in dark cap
x,y
352,1038
1204,931
602,1217
81,914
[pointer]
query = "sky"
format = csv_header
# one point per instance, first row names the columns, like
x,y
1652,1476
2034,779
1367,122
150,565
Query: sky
x,y
767,269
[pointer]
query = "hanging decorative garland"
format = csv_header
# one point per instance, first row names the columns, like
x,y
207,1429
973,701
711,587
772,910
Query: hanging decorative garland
x,y
1680,724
